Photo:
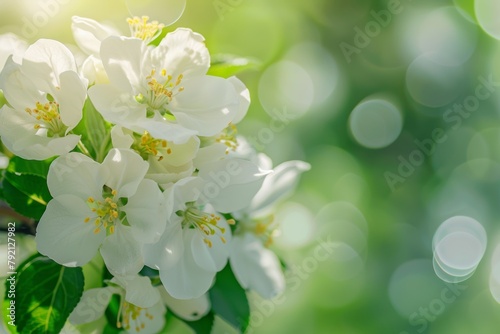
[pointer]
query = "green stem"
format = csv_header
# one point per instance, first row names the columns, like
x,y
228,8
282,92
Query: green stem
x,y
84,150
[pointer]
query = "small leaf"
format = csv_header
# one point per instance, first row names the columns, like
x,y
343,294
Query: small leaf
x,y
46,294
30,167
228,65
229,300
94,131
24,186
201,326
21,202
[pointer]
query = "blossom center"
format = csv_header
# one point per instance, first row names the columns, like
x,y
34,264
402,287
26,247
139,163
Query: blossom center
x,y
106,212
147,145
141,28
161,88
228,137
129,314
48,119
265,229
208,224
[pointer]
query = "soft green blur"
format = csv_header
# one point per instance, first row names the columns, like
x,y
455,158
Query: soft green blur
x,y
430,56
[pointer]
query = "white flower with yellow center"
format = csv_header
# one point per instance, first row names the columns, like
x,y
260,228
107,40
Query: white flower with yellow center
x,y
195,246
45,96
108,207
168,162
164,90
141,308
254,265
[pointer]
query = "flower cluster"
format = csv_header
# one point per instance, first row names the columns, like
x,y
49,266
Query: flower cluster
x,y
170,186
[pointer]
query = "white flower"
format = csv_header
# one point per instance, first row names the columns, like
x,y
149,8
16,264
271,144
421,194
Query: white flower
x,y
46,97
168,162
141,308
256,267
195,246
165,90
106,206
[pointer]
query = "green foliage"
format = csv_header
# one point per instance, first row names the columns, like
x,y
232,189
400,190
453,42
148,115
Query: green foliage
x,y
46,294
229,300
225,66
24,186
95,132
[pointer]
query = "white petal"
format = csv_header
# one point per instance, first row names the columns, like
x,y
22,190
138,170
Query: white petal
x,y
187,190
183,51
244,98
147,212
138,290
11,44
207,104
187,309
121,137
122,59
92,306
93,70
126,170
163,174
63,235
18,88
45,61
220,249
71,98
201,255
162,129
278,185
231,183
167,251
76,174
213,152
256,267
122,253
187,280
182,153
89,34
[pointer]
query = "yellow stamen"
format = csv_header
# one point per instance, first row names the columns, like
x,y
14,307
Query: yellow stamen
x,y
141,28
49,118
228,137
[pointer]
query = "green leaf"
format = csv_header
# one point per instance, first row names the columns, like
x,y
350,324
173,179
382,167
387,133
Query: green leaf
x,y
25,204
24,186
30,167
6,316
46,294
95,132
224,65
112,311
201,326
229,300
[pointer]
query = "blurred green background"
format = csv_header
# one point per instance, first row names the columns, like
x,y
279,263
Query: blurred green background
x,y
381,97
